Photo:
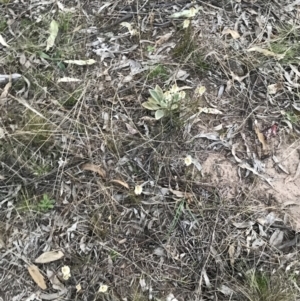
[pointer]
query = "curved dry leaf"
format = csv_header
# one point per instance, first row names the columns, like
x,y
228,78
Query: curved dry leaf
x,y
233,33
276,238
49,256
6,89
95,168
124,184
266,52
261,138
2,41
37,276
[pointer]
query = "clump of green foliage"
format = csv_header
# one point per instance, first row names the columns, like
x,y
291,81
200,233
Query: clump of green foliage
x,y
45,204
188,51
262,287
36,131
158,72
164,102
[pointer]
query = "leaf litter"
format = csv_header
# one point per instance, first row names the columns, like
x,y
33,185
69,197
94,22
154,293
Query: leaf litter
x,y
82,101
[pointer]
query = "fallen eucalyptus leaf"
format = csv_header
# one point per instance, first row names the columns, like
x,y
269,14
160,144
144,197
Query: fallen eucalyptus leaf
x,y
124,184
2,41
233,33
68,80
5,78
276,238
49,257
80,62
225,290
266,52
37,276
188,13
260,137
95,168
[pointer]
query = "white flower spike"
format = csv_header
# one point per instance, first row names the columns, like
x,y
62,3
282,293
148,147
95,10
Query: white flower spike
x,y
138,190
188,160
66,272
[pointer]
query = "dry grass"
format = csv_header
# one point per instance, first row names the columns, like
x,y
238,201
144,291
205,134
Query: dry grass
x,y
198,236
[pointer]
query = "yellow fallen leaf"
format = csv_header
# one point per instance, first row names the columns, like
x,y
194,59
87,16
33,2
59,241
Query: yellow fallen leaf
x,y
37,276
49,257
124,184
95,168
261,138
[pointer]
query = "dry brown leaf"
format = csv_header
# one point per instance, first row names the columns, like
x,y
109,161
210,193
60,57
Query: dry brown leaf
x,y
276,238
49,257
131,129
164,38
95,168
181,194
231,252
6,89
261,138
266,52
124,184
37,276
233,33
